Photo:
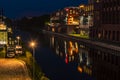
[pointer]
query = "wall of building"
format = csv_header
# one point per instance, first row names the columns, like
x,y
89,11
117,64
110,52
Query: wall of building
x,y
106,21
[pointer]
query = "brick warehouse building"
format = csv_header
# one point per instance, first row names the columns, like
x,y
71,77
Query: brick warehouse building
x,y
106,21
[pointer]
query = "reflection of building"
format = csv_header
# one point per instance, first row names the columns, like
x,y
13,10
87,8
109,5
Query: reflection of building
x,y
105,64
99,62
106,20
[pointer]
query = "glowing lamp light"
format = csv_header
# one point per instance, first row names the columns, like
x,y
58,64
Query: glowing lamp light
x,y
32,44
18,37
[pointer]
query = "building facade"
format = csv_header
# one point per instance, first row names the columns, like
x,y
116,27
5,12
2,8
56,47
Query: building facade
x,y
106,20
6,35
3,34
65,20
57,20
86,19
72,15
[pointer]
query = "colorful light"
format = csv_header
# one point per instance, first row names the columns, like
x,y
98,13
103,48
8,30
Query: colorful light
x,y
67,9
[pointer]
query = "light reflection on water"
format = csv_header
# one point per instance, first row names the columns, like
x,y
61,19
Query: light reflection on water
x,y
74,53
90,61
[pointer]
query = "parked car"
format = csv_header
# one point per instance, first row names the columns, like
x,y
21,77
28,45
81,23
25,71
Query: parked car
x,y
10,54
18,49
10,51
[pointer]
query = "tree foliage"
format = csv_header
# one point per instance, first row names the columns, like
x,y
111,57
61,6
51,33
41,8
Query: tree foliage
x,y
33,23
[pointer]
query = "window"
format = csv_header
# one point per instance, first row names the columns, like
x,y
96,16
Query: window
x,y
73,11
118,35
105,34
97,1
116,60
70,11
57,14
109,35
113,37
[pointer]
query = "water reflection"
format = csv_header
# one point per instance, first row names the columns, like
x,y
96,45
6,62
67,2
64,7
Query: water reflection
x,y
100,63
52,41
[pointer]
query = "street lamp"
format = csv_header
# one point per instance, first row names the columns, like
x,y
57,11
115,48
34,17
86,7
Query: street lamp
x,y
18,38
33,44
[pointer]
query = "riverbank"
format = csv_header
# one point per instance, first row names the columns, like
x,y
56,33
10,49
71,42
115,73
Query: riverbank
x,y
30,61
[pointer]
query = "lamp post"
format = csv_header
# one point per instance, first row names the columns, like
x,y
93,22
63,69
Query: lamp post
x,y
32,44
18,38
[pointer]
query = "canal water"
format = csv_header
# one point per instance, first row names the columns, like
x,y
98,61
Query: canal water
x,y
70,59
55,68
62,59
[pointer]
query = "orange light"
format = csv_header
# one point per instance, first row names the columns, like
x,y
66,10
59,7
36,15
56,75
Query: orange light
x,y
32,44
76,50
82,6
80,69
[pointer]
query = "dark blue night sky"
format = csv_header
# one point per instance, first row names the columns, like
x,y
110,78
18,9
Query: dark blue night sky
x,y
20,8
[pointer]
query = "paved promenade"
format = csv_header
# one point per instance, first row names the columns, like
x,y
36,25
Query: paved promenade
x,y
13,69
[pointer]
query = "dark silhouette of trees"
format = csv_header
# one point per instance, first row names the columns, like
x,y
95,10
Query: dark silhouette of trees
x,y
8,22
32,23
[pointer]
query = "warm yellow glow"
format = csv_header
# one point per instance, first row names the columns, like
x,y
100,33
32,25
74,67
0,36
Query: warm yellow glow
x,y
70,49
75,22
82,6
2,27
10,30
32,44
70,43
53,30
18,37
80,69
3,37
87,70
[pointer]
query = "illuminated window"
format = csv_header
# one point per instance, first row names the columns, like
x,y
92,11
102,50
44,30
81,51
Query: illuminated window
x,y
87,8
2,27
61,13
73,11
70,11
97,1
92,7
76,12
57,14
3,37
